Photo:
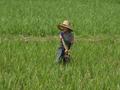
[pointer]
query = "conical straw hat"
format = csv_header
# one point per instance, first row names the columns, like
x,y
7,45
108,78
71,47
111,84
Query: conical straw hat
x,y
65,24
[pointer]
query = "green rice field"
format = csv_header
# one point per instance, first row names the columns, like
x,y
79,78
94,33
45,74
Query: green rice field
x,y
29,41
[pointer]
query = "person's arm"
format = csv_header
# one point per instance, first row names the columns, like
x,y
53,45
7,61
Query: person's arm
x,y
65,46
60,37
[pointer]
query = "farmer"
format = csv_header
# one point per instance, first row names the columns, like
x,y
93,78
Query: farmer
x,y
66,40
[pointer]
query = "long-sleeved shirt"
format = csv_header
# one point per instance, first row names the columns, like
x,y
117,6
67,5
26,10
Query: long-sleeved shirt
x,y
68,38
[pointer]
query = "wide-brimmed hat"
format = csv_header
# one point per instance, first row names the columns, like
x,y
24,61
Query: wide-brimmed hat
x,y
65,24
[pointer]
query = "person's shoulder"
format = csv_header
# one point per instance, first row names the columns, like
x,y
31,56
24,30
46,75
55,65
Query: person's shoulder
x,y
60,32
71,33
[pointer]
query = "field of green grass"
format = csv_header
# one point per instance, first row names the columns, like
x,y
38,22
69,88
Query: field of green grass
x,y
40,17
28,44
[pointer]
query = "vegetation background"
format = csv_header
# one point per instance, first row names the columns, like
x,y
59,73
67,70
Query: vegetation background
x,y
28,45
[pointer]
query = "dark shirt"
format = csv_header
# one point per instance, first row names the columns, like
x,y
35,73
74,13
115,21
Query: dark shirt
x,y
68,38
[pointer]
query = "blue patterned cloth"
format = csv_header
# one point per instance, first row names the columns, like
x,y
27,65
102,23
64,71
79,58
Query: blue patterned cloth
x,y
67,37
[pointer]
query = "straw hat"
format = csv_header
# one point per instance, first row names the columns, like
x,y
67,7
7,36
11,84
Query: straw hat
x,y
65,24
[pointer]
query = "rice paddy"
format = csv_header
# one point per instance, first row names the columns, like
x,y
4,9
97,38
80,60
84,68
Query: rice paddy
x,y
29,40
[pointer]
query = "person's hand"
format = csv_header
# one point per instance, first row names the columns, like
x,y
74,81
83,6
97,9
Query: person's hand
x,y
66,51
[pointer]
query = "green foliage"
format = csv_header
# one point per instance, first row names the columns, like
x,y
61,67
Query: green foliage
x,y
30,65
40,17
27,60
